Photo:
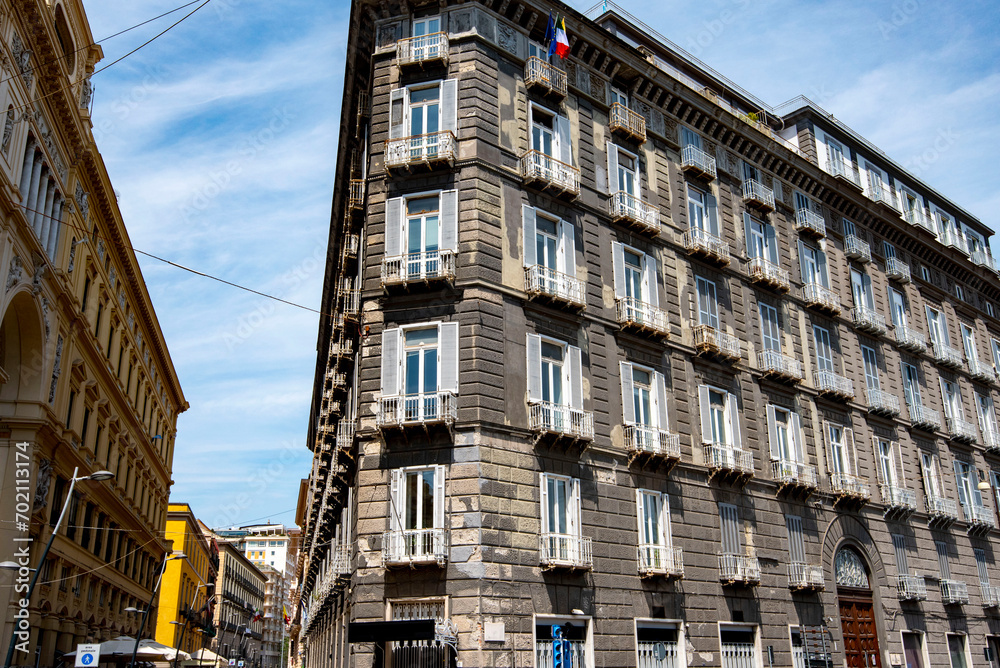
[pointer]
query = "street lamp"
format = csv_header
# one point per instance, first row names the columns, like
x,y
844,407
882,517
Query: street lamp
x,y
184,625
145,613
96,476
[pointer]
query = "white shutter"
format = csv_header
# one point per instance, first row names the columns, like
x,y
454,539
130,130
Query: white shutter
x,y
394,227
565,139
649,278
618,265
879,472
734,422
803,272
397,113
640,509
448,357
396,500
391,339
852,453
660,397
567,243
772,433
772,243
713,214
628,405
824,276
665,519
575,523
828,444
534,356
544,501
705,403
796,426
575,366
449,220
748,234
439,497
449,105
974,486
612,168
528,218
897,450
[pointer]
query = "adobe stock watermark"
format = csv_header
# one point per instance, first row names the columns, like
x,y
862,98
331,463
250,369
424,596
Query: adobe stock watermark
x,y
902,14
714,28
22,543
248,148
918,164
123,106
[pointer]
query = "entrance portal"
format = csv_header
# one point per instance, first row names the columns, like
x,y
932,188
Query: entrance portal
x,y
857,611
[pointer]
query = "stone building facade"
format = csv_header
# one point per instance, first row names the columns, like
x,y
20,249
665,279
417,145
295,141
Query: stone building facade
x,y
87,382
620,355
239,607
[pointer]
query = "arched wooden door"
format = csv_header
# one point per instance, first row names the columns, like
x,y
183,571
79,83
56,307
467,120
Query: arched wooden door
x,y
857,611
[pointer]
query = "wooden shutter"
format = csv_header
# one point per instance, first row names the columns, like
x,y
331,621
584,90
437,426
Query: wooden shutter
x,y
803,273
879,473
795,424
394,227
618,265
824,276
565,139
734,422
449,220
897,452
828,444
544,500
748,231
575,366
397,113
567,245
391,339
705,403
772,432
944,568
660,397
852,453
772,243
574,511
628,405
528,220
640,507
649,278
439,497
899,547
449,105
448,357
974,486
534,356
396,500
712,206
729,524
612,168
796,545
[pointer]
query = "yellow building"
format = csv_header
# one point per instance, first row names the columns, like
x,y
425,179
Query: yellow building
x,y
186,592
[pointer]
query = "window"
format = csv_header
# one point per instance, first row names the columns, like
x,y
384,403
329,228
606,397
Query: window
x,y
969,344
849,229
958,651
658,643
888,462
987,419
731,531
981,567
739,646
560,500
750,172
420,363
946,228
925,273
911,384
634,275
812,263
952,397
618,97
899,547
989,309
769,332
536,50
944,568
995,347
555,374
938,327
913,649
703,211
426,26
421,233
824,352
720,423
840,444
861,289
897,308
423,109
871,368
417,515
784,435
571,633
968,491
690,138
548,242
960,292
836,153
761,240
931,471
623,171
550,134
644,396
708,303
653,510
796,543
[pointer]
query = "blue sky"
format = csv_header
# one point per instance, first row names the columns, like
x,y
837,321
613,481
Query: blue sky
x,y
220,138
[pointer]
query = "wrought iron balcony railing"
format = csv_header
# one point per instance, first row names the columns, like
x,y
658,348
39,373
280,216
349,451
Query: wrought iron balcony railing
x,y
991,438
941,510
954,592
740,569
627,122
923,417
979,518
898,500
421,50
660,560
540,281
711,341
961,429
423,267
833,385
417,409
849,486
767,273
650,440
549,418
696,161
723,457
634,212
856,249
772,363
882,195
844,170
560,550
412,547
421,150
911,588
819,297
882,402
544,170
356,200
341,562
642,316
811,222
707,245
805,576
990,594
897,270
796,474
981,372
868,320
544,76
757,194
948,356
346,430
908,338
982,258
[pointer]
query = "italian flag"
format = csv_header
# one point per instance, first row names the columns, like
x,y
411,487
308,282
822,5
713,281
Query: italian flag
x,y
562,42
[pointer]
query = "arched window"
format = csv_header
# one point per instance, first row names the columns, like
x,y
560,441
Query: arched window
x,y
850,569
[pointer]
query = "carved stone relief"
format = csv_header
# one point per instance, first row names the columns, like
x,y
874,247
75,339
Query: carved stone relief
x,y
461,21
42,482
598,88
15,273
388,34
486,26
56,370
507,38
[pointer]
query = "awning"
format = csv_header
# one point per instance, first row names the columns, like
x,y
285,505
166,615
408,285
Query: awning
x,y
410,629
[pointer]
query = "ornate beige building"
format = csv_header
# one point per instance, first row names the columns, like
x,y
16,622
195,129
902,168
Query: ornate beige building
x,y
86,380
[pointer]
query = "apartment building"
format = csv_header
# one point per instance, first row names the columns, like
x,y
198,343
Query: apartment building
x,y
625,364
87,383
239,604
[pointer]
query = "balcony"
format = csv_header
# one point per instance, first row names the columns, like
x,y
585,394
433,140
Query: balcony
x,y
922,417
834,386
805,577
560,550
543,283
415,547
796,475
982,258
990,595
341,564
984,373
706,245
660,560
637,315
899,502
768,274
810,222
979,519
548,173
727,460
715,343
910,339
918,218
772,364
633,212
845,171
338,379
911,588
821,298
352,303
868,320
652,443
850,488
758,195
697,162
424,268
856,249
739,569
546,418
356,199
351,243
991,439
897,270
341,349
961,429
881,402
947,356
345,434
879,194
954,592
429,150
627,123
416,410
547,78
941,512
423,50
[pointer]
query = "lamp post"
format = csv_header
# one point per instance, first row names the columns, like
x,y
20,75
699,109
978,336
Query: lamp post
x,y
96,476
145,613
184,625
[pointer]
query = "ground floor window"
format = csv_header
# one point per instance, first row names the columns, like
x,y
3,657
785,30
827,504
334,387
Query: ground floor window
x,y
958,651
657,644
913,649
563,642
419,653
739,646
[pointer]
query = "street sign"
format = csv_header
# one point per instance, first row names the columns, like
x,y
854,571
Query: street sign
x,y
232,662
240,664
87,656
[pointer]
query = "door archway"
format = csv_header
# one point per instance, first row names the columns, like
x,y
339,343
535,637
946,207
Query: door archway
x,y
857,610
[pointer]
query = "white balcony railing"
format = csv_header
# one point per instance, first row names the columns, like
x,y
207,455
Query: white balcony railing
x,y
739,569
425,149
844,170
561,550
346,430
422,49
542,281
351,243
652,441
911,588
948,356
818,296
341,564
632,210
961,429
981,372
941,509
856,249
756,193
660,560
850,486
978,517
543,75
868,320
954,592
417,409
640,315
705,243
356,200
537,167
695,160
627,122
710,340
352,303
910,339
880,401
982,258
788,472
549,418
773,363
415,546
917,217
768,273
807,220
897,270
898,499
341,348
827,382
991,438
922,416
990,594
423,267
805,576
880,194
722,457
